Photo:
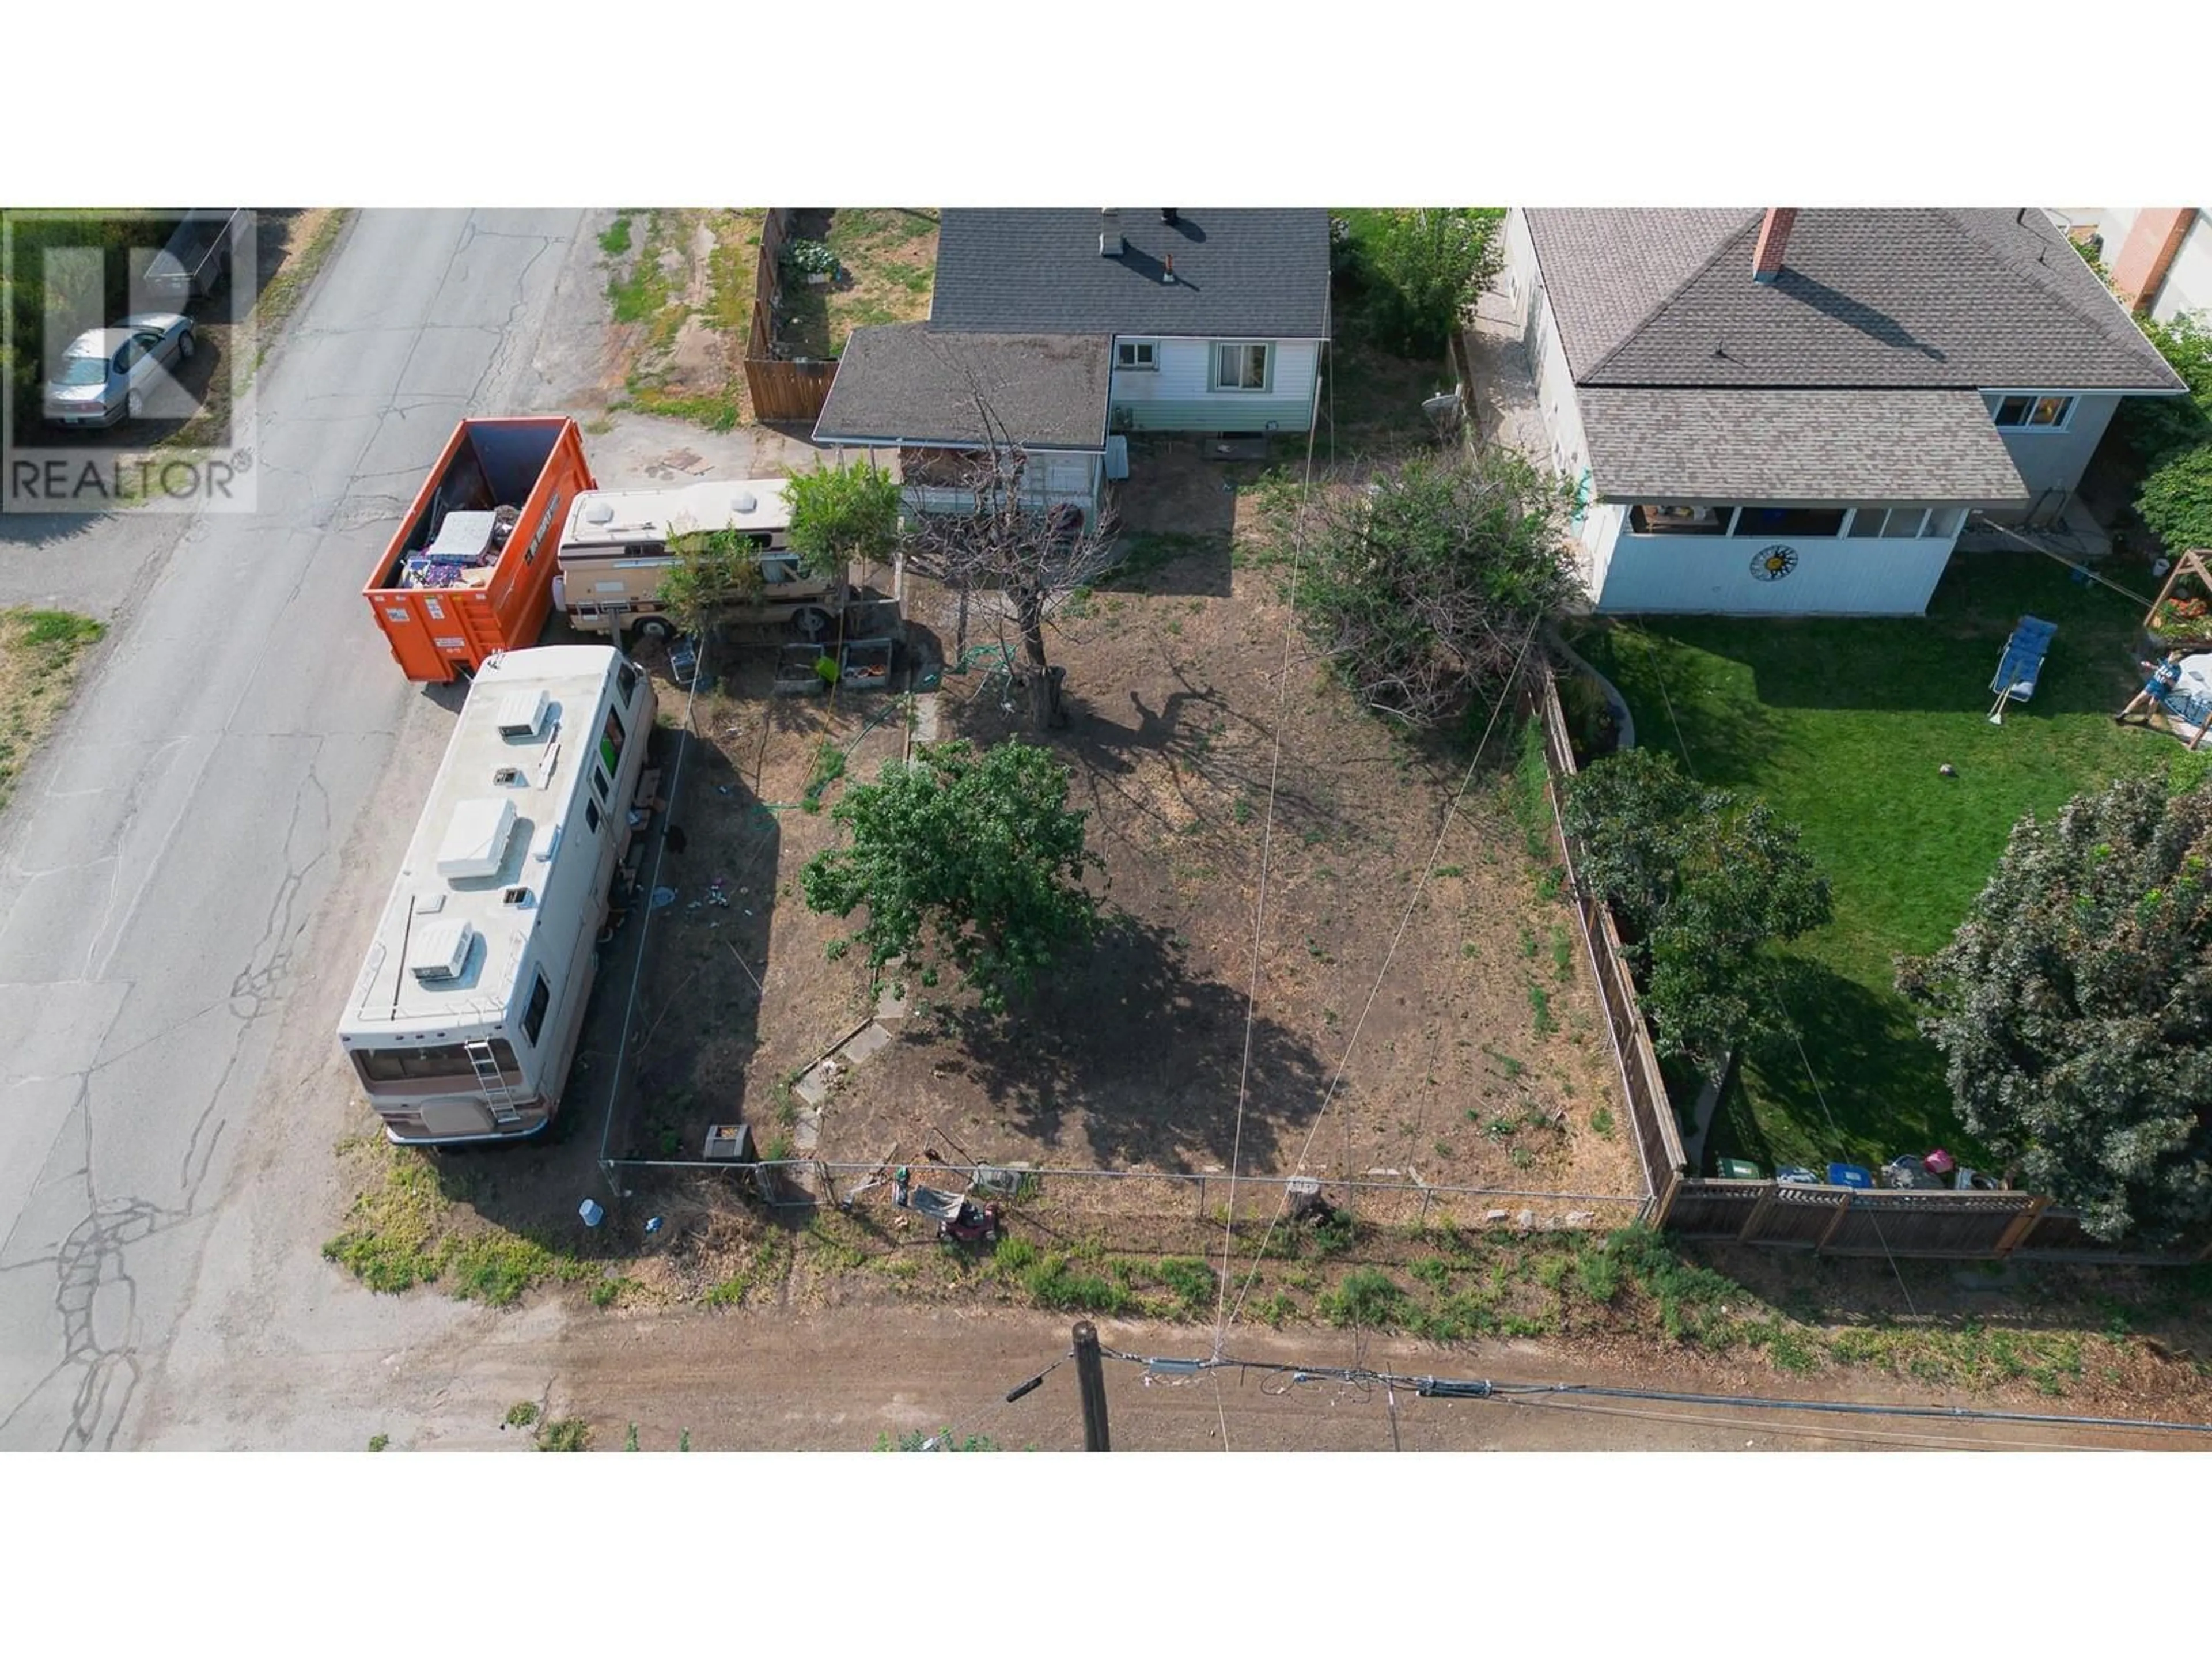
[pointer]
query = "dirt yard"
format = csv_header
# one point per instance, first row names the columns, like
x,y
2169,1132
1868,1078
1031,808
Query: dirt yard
x,y
1480,1061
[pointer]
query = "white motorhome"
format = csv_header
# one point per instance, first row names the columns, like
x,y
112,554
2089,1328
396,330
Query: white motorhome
x,y
614,552
465,1018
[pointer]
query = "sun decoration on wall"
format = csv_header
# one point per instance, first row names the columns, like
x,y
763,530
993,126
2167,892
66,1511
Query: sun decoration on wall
x,y
1771,564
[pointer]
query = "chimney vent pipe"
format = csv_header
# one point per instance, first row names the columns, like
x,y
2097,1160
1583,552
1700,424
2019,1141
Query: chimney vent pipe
x,y
1773,242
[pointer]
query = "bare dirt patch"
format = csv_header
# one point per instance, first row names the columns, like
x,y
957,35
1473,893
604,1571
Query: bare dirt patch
x,y
680,288
1480,1060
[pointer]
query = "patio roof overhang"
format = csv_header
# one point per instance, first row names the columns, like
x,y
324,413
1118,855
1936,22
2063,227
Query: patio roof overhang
x,y
908,384
1714,447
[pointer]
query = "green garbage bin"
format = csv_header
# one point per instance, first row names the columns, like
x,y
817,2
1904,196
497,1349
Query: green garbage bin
x,y
1740,1169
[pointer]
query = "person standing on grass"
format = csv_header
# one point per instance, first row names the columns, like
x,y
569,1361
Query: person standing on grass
x,y
2164,677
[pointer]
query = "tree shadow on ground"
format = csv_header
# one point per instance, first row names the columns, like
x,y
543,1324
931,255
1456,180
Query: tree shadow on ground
x,y
1129,1048
1867,1088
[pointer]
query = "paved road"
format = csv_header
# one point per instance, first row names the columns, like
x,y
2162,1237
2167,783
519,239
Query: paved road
x,y
167,872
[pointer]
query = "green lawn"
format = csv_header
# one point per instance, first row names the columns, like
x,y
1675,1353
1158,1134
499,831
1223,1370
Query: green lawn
x,y
1843,725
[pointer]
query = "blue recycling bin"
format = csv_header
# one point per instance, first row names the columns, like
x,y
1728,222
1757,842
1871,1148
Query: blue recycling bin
x,y
1849,1175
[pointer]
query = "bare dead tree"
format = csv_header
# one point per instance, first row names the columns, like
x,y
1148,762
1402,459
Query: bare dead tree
x,y
1036,556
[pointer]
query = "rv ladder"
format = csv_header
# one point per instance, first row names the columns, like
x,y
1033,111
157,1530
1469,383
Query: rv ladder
x,y
497,1095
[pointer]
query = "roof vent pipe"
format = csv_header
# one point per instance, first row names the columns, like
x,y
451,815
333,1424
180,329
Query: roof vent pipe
x,y
1110,243
1773,241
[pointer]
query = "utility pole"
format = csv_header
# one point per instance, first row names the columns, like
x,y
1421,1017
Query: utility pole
x,y
1091,1381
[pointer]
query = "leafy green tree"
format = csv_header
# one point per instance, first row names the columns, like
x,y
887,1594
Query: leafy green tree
x,y
708,569
2074,1008
841,513
1702,882
2157,428
1419,269
974,858
2175,501
1423,588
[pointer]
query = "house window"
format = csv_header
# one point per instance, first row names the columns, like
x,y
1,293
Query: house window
x,y
1242,365
1137,353
1790,521
1660,519
1907,523
2034,411
533,1016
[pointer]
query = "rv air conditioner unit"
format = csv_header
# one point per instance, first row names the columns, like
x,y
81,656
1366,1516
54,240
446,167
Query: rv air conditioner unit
x,y
521,713
439,951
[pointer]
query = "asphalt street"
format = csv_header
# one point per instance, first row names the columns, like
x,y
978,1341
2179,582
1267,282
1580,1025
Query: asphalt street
x,y
168,870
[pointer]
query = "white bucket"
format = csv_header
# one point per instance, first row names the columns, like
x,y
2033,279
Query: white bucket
x,y
591,1213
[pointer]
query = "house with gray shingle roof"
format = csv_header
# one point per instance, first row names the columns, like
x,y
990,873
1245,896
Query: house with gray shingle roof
x,y
1794,411
1051,328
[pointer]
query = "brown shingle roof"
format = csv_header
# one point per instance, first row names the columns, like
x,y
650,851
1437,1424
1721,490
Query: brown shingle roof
x,y
1876,297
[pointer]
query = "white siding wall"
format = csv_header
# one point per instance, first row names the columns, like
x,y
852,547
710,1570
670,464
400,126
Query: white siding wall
x,y
1049,479
1547,357
1175,395
1835,576
2054,461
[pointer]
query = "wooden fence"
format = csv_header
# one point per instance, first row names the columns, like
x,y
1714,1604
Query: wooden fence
x,y
1830,1220
782,389
1651,1114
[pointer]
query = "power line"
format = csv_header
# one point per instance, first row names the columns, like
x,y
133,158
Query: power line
x,y
1439,1387
1260,904
1351,1042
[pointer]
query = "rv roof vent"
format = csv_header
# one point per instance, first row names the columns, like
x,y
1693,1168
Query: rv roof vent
x,y
600,513
440,951
516,898
521,713
745,502
475,840
509,777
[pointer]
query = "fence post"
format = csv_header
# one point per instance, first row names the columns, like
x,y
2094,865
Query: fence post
x,y
2022,1224
1749,1230
1842,1210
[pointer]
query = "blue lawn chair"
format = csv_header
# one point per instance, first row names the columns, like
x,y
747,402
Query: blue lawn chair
x,y
2022,662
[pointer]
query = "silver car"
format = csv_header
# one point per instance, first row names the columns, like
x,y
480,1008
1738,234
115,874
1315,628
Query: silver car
x,y
111,375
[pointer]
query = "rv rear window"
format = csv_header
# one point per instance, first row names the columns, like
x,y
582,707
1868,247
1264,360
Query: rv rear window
x,y
592,815
436,1062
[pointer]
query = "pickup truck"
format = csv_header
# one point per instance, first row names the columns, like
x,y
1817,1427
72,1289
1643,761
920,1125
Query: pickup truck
x,y
197,257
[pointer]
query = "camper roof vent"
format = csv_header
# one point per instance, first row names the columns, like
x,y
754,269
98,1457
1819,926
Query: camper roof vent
x,y
475,840
521,713
600,513
746,502
440,950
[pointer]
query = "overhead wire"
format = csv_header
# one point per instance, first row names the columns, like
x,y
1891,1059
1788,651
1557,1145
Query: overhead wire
x,y
945,1438
1428,1386
1351,1042
1260,901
